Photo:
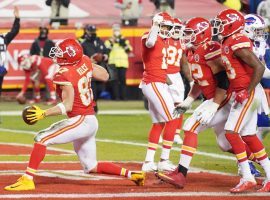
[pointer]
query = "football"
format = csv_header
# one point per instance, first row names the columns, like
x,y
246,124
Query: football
x,y
26,112
21,99
97,57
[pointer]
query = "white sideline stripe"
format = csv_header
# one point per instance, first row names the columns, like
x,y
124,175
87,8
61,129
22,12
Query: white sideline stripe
x,y
132,195
30,145
102,112
213,155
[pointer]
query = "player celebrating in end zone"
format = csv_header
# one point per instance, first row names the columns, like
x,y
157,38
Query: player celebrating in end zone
x,y
244,71
73,87
155,88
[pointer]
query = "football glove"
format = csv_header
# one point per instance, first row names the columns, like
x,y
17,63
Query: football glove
x,y
35,114
241,96
157,19
181,108
207,113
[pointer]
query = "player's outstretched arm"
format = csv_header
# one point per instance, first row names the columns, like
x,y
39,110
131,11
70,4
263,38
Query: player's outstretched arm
x,y
251,60
99,73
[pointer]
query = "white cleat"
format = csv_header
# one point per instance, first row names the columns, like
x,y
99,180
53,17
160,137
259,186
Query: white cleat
x,y
166,165
177,139
149,167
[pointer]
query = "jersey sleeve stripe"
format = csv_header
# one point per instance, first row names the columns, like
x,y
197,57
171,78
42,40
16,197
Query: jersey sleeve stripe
x,y
240,45
212,54
62,82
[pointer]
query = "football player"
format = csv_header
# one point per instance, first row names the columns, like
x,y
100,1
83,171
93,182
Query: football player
x,y
37,68
255,30
154,86
73,85
244,71
204,57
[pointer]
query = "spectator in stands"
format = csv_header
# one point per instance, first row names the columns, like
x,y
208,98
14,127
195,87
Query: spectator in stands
x,y
263,10
234,4
118,57
5,40
94,48
59,11
42,45
130,11
164,6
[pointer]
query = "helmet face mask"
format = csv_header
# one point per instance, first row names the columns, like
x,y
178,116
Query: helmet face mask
x,y
66,52
178,28
189,37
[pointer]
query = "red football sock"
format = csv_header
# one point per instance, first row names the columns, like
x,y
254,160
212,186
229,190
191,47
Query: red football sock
x,y
250,155
154,135
238,146
169,132
255,146
110,168
180,124
188,148
37,155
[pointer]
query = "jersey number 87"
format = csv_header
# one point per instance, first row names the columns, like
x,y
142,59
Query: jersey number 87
x,y
84,87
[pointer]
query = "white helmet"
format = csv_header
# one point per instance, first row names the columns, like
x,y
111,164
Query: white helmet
x,y
255,28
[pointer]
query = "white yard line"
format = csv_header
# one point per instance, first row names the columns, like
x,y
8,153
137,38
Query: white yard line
x,y
213,155
130,195
102,112
30,145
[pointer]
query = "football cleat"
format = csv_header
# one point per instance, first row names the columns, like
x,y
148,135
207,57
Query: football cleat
x,y
149,167
174,178
138,177
243,186
51,102
23,183
165,165
266,187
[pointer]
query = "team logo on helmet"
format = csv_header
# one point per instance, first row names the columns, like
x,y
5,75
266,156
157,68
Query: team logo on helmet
x,y
250,20
70,51
202,26
233,17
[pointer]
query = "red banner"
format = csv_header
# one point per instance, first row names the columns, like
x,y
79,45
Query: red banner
x,y
22,43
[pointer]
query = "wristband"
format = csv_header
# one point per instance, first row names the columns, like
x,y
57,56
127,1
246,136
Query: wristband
x,y
62,108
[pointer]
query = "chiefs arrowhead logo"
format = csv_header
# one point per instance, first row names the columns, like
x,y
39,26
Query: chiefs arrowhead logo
x,y
232,17
70,51
202,26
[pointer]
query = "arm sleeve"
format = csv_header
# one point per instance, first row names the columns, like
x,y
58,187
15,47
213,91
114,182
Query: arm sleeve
x,y
60,77
13,32
240,42
152,37
222,80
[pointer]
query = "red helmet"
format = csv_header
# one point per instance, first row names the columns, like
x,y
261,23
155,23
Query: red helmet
x,y
197,31
177,28
165,23
66,52
24,61
228,22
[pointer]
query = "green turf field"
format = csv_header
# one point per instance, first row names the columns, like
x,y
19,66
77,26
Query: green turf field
x,y
127,128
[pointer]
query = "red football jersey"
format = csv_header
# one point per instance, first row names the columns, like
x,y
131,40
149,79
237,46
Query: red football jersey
x,y
200,71
154,60
79,77
238,72
39,64
174,55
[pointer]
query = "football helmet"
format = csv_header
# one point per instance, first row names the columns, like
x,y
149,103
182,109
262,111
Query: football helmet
x,y
24,61
197,31
177,28
228,22
255,28
165,23
66,52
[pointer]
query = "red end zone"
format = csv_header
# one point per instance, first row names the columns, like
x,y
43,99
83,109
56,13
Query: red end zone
x,y
66,180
